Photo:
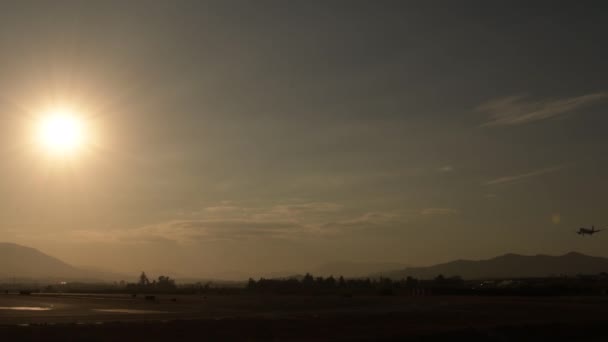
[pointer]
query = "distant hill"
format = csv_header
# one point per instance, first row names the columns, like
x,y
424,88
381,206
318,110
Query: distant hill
x,y
20,262
355,269
509,266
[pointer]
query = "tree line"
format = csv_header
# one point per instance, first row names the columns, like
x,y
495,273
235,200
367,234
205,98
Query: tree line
x,y
162,284
311,284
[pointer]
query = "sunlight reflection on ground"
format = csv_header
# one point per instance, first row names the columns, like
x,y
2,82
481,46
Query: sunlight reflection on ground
x,y
24,308
130,311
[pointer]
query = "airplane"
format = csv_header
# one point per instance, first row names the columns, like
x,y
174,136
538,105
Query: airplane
x,y
585,231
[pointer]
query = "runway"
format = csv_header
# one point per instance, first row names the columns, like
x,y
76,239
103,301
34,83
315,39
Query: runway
x,y
286,317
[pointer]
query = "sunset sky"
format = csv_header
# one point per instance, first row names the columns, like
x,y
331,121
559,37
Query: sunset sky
x,y
238,138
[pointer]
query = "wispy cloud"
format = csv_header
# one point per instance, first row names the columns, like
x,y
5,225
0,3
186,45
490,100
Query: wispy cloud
x,y
233,222
519,110
438,211
446,168
200,230
520,177
369,220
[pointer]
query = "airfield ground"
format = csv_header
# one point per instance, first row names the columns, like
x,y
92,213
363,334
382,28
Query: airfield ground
x,y
280,317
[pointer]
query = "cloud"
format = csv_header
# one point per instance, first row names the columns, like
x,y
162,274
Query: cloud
x,y
447,168
296,211
370,220
222,209
192,231
233,222
518,110
517,178
438,211
228,229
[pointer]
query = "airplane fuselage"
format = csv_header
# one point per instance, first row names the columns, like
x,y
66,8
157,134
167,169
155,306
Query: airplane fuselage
x,y
586,231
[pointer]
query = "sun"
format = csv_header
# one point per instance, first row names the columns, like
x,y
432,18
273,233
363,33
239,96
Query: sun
x,y
61,132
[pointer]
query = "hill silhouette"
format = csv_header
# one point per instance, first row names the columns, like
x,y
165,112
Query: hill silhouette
x,y
356,269
509,266
23,262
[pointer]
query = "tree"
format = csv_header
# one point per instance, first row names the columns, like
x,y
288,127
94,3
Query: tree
x,y
143,279
308,280
165,283
411,282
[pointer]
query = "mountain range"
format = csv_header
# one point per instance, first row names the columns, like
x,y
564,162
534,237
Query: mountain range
x,y
352,269
20,262
509,266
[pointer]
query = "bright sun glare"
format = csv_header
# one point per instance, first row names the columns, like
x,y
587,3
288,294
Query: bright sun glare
x,y
61,132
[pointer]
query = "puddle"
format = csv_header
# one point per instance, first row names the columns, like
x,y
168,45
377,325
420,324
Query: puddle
x,y
131,311
25,308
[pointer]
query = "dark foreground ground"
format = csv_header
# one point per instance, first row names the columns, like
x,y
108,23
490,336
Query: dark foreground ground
x,y
319,318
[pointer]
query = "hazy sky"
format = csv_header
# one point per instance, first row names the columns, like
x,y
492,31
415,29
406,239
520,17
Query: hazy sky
x,y
260,136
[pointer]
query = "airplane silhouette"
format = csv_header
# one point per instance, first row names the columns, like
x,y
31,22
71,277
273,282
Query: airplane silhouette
x,y
587,231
